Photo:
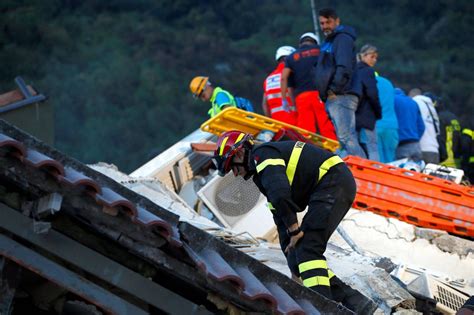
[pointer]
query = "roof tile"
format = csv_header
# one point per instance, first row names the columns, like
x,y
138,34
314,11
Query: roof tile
x,y
110,198
16,146
78,179
41,161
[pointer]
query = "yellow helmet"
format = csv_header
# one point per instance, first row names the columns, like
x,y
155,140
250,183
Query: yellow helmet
x,y
197,85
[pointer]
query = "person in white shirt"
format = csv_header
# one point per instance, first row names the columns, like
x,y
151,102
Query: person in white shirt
x,y
428,142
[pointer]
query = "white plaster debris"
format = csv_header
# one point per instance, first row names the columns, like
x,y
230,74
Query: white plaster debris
x,y
401,242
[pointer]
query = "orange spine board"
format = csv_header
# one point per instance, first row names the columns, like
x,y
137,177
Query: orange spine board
x,y
416,198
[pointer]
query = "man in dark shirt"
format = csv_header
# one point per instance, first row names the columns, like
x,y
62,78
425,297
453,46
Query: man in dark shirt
x,y
343,89
294,175
312,114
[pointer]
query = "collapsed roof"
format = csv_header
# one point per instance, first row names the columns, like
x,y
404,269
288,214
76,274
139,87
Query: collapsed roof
x,y
106,220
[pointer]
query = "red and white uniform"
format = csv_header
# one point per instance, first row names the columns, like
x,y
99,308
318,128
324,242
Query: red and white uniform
x,y
272,92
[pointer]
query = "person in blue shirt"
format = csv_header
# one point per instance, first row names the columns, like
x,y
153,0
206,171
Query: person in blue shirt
x,y
410,127
387,127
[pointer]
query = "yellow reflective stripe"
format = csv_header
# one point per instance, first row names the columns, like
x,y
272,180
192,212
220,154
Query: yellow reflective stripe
x,y
268,162
313,264
240,137
471,159
468,132
221,149
270,206
314,281
324,168
293,162
330,273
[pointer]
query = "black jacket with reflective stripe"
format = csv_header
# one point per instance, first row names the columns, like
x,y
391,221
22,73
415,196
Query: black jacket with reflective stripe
x,y
273,181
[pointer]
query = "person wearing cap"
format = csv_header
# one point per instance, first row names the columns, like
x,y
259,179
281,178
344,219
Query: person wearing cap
x,y
272,104
429,140
340,86
202,88
312,115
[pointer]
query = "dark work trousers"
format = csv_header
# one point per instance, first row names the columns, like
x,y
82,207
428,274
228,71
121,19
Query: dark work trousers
x,y
328,204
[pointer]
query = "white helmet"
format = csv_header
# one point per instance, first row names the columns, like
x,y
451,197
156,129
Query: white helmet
x,y
310,35
284,51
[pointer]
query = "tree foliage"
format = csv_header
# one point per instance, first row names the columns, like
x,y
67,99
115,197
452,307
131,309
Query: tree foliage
x,y
118,71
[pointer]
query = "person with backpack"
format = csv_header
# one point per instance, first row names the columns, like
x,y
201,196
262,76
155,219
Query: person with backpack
x,y
220,99
336,80
312,115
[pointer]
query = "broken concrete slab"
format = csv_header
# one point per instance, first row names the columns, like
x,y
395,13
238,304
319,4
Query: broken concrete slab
x,y
408,245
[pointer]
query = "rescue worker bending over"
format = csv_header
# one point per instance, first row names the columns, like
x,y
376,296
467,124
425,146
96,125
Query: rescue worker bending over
x,y
202,88
293,175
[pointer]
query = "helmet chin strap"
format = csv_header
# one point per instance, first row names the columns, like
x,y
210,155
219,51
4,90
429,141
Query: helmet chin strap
x,y
246,164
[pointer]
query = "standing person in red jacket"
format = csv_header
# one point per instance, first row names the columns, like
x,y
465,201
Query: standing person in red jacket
x,y
312,114
272,103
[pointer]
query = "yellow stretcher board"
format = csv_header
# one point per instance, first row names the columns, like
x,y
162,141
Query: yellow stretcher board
x,y
236,119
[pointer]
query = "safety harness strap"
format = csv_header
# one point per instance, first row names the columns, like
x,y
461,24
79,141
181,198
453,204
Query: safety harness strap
x,y
293,162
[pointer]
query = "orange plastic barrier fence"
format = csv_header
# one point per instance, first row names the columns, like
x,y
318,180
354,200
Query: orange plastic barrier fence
x,y
236,119
416,198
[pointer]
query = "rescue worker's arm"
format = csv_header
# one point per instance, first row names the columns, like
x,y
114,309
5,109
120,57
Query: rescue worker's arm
x,y
285,74
266,112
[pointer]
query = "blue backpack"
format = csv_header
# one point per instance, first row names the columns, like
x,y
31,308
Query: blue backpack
x,y
243,103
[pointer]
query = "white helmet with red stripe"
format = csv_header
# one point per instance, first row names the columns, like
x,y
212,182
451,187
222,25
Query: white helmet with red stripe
x,y
284,51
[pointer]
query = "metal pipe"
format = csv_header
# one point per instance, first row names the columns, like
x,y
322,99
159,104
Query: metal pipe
x,y
24,102
315,21
22,86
